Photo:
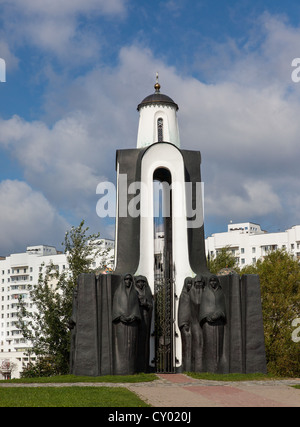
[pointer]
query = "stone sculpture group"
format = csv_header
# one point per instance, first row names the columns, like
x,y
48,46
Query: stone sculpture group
x,y
201,320
219,318
131,316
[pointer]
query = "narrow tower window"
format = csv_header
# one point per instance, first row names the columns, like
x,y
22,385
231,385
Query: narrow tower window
x,y
160,129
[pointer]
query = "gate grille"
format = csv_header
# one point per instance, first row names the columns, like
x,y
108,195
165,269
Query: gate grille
x,y
163,278
164,353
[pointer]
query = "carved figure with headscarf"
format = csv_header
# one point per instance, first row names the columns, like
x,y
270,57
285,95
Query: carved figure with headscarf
x,y
184,324
212,320
189,323
146,306
126,317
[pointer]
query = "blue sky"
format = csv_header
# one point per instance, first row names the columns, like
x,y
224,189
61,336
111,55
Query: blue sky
x,y
77,69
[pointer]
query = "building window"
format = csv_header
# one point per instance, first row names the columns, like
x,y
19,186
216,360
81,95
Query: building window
x,y
160,130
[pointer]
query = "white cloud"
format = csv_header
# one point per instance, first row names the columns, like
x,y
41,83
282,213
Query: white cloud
x,y
11,61
27,218
68,7
54,25
60,161
252,199
261,59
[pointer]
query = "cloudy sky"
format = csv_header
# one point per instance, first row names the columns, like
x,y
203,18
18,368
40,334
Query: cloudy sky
x,y
76,71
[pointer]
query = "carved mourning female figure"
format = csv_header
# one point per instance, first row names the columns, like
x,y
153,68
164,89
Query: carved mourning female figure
x,y
184,323
197,333
212,320
146,305
189,323
126,317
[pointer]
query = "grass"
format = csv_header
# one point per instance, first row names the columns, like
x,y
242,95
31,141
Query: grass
x,y
232,377
69,397
123,379
78,379
139,378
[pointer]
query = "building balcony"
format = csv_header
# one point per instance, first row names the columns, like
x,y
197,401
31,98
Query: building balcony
x,y
19,278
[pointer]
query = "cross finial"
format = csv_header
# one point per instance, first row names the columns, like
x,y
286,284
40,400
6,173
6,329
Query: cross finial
x,y
157,85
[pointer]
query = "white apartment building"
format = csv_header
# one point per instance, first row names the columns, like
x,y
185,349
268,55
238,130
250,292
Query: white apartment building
x,y
18,273
249,243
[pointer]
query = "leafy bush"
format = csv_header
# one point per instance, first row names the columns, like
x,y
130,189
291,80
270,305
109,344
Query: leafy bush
x,y
43,367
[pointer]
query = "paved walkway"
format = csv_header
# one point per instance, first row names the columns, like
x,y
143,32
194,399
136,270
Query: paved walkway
x,y
181,391
178,390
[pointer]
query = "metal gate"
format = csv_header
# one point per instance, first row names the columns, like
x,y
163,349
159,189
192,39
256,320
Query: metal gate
x,y
163,279
164,325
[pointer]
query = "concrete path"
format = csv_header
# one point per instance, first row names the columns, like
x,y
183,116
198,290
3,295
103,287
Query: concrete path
x,y
181,391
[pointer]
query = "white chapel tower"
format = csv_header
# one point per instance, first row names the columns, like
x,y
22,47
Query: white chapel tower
x,y
158,120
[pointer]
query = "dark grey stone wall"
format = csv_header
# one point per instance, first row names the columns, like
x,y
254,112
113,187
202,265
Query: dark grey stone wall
x,y
244,333
92,350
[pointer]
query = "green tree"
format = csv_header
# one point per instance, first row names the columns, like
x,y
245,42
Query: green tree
x,y
47,327
223,259
279,275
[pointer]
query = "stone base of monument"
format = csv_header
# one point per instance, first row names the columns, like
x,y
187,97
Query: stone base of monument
x,y
99,345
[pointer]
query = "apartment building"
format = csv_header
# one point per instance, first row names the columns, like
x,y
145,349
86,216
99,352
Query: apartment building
x,y
18,273
249,243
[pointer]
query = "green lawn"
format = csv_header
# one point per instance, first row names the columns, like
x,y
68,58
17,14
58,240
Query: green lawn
x,y
68,397
78,379
232,377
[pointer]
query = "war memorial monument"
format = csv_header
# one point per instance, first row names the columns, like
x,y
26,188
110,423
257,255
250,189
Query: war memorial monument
x,y
164,312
